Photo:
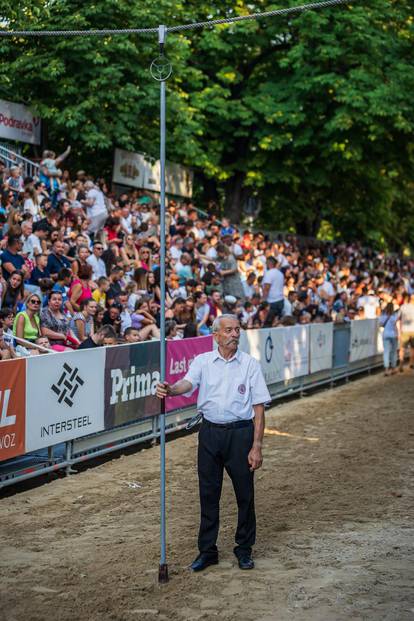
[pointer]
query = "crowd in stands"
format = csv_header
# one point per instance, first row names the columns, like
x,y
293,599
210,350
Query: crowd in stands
x,y
80,268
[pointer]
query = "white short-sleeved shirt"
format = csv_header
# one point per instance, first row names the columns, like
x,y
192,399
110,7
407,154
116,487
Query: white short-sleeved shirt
x,y
276,280
228,389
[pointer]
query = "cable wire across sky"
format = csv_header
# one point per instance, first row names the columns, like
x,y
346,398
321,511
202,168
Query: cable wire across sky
x,y
180,28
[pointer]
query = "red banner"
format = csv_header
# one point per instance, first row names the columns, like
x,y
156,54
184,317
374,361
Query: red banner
x,y
12,408
179,357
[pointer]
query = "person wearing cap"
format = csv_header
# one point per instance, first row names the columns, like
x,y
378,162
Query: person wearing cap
x,y
231,398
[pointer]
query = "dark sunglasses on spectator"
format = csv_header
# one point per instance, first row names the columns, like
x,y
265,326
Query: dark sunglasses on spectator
x,y
34,301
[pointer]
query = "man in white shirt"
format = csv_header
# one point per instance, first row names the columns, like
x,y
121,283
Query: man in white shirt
x,y
96,262
370,303
176,249
31,242
95,207
231,398
273,283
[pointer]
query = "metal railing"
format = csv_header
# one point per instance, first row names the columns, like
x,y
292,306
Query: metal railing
x,y
64,456
11,158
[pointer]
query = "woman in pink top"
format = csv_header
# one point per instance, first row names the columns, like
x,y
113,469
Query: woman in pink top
x,y
80,289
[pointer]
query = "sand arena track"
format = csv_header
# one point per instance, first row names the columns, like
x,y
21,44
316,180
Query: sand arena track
x,y
335,525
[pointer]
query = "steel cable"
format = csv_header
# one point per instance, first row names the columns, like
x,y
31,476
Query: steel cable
x,y
144,31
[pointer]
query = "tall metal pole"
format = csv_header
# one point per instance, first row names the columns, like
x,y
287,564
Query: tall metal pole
x,y
162,71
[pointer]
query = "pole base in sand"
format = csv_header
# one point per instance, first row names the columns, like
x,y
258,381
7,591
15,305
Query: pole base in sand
x,y
163,574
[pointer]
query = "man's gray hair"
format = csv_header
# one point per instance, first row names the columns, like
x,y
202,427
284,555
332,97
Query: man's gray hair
x,y
216,322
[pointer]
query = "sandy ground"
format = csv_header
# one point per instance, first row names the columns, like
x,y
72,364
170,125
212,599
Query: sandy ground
x,y
335,525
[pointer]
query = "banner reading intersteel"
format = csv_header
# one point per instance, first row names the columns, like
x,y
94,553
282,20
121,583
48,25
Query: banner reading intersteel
x,y
267,347
18,122
180,354
321,346
296,351
131,376
64,396
12,408
363,339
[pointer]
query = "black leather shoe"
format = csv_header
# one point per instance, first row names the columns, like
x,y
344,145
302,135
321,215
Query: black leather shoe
x,y
202,561
245,562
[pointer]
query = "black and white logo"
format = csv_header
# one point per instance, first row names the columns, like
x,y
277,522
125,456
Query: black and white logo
x,y
269,348
67,385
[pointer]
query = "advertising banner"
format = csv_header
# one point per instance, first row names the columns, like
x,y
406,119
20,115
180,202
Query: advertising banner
x,y
267,347
131,376
363,339
180,354
179,180
135,170
18,122
64,397
321,346
12,408
296,351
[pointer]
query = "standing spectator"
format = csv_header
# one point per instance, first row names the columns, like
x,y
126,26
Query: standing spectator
x,y
370,303
389,320
273,283
407,329
15,182
95,207
232,284
202,312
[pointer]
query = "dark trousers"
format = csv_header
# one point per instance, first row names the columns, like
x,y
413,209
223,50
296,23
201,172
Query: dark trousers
x,y
227,448
275,310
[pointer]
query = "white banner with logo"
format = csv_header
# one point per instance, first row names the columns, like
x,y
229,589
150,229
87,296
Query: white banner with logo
x,y
267,347
363,339
64,397
133,169
296,351
320,346
18,122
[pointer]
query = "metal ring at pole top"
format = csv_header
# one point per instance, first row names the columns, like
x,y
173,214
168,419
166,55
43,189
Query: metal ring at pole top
x,y
161,68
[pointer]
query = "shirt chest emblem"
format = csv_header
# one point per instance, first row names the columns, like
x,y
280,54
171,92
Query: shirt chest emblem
x,y
242,389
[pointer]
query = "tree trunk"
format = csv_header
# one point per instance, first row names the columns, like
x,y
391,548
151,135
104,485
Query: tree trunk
x,y
234,196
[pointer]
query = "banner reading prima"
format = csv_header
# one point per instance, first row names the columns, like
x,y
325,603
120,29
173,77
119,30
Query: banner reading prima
x,y
64,397
321,346
12,408
131,376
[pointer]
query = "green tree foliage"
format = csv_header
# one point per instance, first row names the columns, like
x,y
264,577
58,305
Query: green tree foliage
x,y
312,114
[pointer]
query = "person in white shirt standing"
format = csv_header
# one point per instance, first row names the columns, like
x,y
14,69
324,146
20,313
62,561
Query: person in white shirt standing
x,y
95,207
231,398
273,283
